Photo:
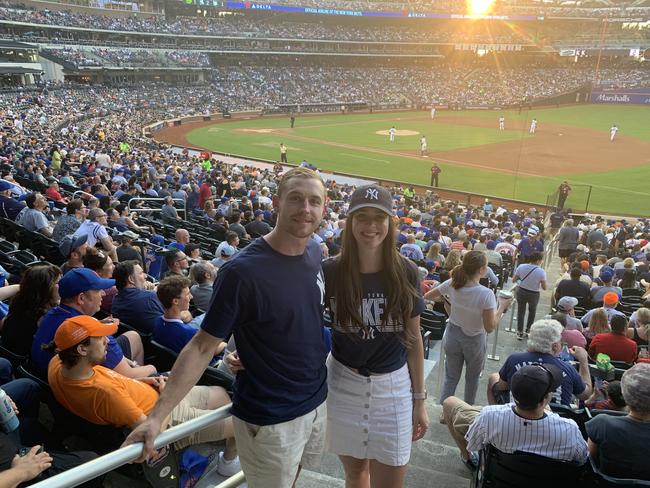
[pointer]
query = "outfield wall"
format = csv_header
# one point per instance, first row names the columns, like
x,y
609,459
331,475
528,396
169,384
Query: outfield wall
x,y
632,96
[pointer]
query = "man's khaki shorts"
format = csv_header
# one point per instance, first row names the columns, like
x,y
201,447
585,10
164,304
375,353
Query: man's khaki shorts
x,y
270,454
462,417
195,404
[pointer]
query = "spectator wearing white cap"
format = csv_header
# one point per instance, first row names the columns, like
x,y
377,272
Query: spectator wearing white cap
x,y
565,306
224,255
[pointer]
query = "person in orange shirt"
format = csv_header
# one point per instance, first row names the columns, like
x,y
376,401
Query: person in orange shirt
x,y
104,397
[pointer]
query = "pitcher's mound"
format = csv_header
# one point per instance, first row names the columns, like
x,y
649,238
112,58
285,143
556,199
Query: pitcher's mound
x,y
398,132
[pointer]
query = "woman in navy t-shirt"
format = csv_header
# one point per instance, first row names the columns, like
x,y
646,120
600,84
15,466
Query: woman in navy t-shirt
x,y
376,392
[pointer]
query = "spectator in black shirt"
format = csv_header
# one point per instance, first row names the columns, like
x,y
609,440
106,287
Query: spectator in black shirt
x,y
573,287
9,207
258,227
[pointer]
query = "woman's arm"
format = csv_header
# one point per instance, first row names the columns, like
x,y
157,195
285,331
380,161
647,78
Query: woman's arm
x,y
415,361
491,316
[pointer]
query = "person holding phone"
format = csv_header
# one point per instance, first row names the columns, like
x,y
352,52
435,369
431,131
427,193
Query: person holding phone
x,y
531,278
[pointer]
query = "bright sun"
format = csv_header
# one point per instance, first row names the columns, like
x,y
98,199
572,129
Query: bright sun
x,y
479,7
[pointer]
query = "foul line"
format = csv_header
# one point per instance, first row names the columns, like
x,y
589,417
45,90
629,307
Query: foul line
x,y
364,157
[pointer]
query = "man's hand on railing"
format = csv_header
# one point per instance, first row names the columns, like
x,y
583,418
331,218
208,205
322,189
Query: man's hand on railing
x,y
146,432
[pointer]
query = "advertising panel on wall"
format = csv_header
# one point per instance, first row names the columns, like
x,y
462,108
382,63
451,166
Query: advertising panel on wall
x,y
632,96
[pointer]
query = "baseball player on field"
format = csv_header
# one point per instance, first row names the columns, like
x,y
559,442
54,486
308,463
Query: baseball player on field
x,y
433,112
502,123
391,134
612,132
533,126
424,149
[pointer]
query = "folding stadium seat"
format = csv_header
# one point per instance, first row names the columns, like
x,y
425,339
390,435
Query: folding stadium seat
x,y
165,359
16,360
6,246
519,469
434,323
601,480
579,415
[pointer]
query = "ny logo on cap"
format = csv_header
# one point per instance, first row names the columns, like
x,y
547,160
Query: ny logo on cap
x,y
372,194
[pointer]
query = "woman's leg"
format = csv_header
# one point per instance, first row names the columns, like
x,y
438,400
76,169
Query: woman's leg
x,y
474,350
384,476
532,310
521,310
454,360
357,472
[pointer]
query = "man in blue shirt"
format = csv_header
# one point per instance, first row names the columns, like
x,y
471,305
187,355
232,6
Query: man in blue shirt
x,y
528,246
170,330
9,207
134,304
544,347
270,298
81,291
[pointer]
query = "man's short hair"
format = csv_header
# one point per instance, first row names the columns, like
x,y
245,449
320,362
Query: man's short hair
x,y
618,323
298,173
30,199
95,213
170,288
635,385
123,271
171,256
199,270
74,205
575,273
230,236
543,334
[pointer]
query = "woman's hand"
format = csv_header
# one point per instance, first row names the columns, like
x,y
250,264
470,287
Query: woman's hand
x,y
420,420
32,464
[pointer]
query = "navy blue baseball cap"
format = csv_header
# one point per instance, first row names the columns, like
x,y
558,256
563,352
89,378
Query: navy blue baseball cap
x,y
79,280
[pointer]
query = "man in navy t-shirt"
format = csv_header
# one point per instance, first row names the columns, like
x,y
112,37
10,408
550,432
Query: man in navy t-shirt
x,y
544,346
270,298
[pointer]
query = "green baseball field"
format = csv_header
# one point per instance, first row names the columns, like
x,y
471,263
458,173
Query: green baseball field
x,y
570,143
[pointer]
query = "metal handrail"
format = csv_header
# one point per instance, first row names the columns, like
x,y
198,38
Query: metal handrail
x,y
128,454
80,192
155,199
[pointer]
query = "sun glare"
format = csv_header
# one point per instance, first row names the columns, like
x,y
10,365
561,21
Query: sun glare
x,y
479,7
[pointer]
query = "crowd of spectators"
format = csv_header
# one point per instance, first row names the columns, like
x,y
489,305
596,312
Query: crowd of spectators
x,y
274,28
104,154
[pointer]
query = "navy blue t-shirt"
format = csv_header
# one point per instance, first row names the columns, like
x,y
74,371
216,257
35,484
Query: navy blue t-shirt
x,y
272,304
376,348
138,308
572,383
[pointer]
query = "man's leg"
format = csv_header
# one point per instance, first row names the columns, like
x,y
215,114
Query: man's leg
x,y
459,415
26,394
272,455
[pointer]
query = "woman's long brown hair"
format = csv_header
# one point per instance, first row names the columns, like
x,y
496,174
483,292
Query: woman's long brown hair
x,y
397,281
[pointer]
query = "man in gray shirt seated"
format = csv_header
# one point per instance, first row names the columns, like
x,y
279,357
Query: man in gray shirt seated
x,y
203,275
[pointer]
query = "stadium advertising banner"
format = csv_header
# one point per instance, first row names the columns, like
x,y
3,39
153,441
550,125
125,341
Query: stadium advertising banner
x,y
357,13
634,96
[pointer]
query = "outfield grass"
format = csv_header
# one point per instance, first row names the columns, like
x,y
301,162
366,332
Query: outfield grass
x,y
623,191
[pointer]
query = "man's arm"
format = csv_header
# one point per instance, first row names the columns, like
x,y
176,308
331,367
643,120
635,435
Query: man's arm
x,y
109,247
581,355
187,370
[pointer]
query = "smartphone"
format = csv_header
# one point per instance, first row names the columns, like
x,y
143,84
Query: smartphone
x,y
24,450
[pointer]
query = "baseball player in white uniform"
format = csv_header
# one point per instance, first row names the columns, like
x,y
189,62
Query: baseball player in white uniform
x,y
502,123
423,146
433,112
612,132
533,126
391,134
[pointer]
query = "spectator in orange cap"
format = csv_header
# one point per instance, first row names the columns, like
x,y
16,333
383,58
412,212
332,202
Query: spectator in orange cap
x,y
610,301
